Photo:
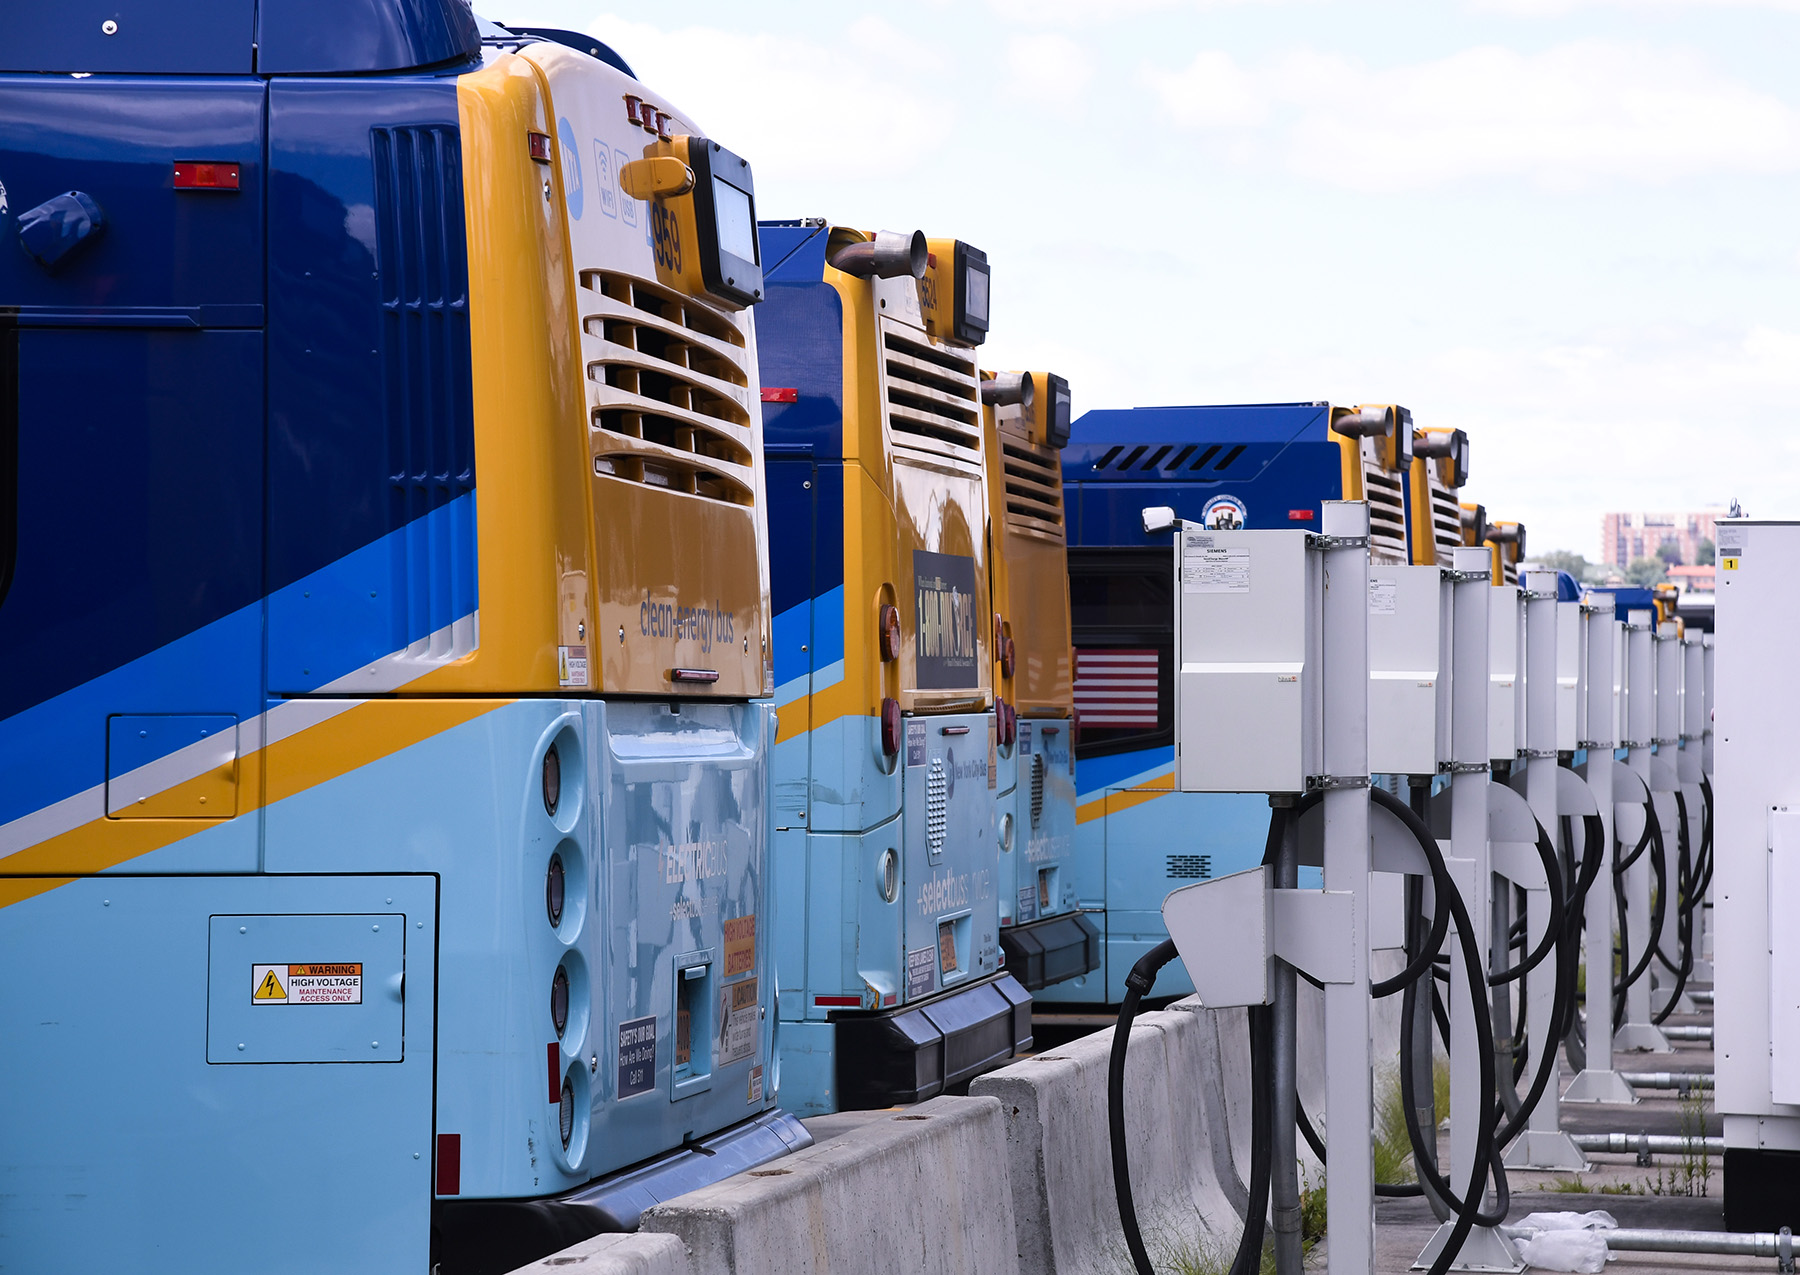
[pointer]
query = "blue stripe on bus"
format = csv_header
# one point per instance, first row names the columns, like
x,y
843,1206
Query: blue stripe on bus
x,y
1095,774
56,749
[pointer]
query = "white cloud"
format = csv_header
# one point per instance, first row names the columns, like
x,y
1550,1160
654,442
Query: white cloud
x,y
1555,8
863,109
1048,70
1562,117
1091,13
1212,91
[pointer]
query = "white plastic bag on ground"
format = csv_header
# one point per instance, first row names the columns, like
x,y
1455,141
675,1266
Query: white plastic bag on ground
x,y
1596,1220
1566,1250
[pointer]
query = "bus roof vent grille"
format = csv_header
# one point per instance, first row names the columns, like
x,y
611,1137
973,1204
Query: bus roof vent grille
x,y
668,390
933,397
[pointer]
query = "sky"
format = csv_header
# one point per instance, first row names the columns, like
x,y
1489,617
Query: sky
x,y
1566,226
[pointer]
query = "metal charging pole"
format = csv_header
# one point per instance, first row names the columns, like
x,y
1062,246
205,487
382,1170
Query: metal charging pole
x,y
1598,1082
1637,1032
1486,1248
1349,1093
1706,766
1542,1144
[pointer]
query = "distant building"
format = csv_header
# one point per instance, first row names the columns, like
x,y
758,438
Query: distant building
x,y
1692,579
1627,537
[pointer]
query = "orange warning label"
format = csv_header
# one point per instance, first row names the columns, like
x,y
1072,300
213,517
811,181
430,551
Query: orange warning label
x,y
740,945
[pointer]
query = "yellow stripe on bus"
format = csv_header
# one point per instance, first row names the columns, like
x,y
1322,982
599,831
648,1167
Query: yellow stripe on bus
x,y
348,741
1118,799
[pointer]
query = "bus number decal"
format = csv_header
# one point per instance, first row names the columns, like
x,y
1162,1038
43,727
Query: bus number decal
x,y
668,237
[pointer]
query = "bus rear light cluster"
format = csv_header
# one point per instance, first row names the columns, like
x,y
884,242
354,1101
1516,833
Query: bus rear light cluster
x,y
554,890
890,726
1009,657
889,624
559,1000
552,780
1006,722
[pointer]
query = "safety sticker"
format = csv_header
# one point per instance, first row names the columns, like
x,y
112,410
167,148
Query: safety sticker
x,y
338,983
1215,569
755,1094
637,1056
571,666
993,767
1028,904
947,946
1729,564
921,972
740,945
739,1014
915,741
1024,739
1382,596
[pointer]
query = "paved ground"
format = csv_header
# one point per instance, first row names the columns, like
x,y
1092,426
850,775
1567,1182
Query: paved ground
x,y
1656,1196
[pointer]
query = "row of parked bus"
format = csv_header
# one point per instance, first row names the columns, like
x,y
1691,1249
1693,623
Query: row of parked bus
x,y
522,678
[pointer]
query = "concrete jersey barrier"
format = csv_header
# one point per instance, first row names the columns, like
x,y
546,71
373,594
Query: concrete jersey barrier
x,y
922,1190
1060,1160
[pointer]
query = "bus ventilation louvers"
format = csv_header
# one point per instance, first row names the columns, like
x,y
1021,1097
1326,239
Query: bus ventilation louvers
x,y
1386,493
425,361
1446,516
933,398
1167,459
668,393
1034,498
1037,788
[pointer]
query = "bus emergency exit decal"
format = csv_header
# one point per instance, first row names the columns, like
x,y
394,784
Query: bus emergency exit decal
x,y
337,983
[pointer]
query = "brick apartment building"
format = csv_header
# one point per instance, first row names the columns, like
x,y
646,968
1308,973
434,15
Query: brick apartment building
x,y
1625,537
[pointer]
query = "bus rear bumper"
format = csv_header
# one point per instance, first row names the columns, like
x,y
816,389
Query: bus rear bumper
x,y
1051,950
918,1051
488,1237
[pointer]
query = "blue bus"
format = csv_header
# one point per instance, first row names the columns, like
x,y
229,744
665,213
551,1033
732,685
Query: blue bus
x,y
384,590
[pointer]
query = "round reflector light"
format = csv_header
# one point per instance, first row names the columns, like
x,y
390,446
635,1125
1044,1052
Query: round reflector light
x,y
565,1113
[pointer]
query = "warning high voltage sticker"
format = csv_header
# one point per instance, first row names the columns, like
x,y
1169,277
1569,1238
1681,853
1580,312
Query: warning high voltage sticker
x,y
316,984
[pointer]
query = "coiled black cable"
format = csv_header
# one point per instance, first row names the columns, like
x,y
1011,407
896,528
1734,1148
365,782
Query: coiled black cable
x,y
1653,837
1138,982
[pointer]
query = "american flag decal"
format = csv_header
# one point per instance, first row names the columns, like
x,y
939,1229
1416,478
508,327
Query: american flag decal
x,y
1116,687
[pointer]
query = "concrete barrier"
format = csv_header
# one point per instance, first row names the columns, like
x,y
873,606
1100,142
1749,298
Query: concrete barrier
x,y
923,1190
1060,1161
636,1254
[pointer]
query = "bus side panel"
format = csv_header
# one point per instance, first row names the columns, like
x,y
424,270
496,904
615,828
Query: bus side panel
x,y
370,419
160,1119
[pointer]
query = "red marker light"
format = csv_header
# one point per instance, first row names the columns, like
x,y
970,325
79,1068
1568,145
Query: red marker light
x,y
194,174
838,1002
1300,515
780,394
540,147
553,1056
890,726
889,624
